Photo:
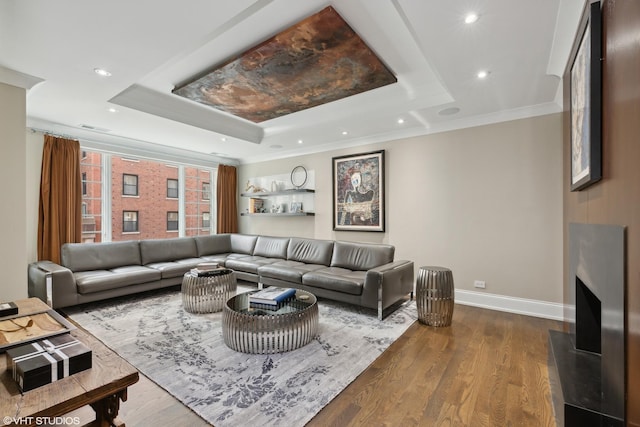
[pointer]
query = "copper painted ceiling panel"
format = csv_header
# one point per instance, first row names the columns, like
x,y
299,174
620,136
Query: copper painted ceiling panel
x,y
319,60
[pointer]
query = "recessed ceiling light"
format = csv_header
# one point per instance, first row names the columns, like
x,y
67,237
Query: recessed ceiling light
x,y
112,110
400,121
482,74
102,72
223,139
299,141
344,132
470,18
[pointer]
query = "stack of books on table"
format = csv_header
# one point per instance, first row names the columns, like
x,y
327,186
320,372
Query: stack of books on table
x,y
208,269
271,296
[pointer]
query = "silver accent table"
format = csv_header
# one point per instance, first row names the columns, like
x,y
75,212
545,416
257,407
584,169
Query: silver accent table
x,y
261,329
435,296
207,293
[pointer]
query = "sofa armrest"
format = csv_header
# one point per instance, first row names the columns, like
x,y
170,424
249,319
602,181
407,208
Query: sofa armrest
x,y
388,283
52,283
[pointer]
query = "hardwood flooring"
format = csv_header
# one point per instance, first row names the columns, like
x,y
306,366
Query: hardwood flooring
x,y
488,368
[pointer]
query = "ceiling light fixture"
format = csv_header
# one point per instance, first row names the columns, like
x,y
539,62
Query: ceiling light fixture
x,y
112,110
344,132
470,18
299,141
102,72
223,139
482,74
400,121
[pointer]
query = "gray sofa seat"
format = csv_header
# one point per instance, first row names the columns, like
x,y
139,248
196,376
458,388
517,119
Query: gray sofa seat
x,y
102,280
249,264
336,279
288,271
171,269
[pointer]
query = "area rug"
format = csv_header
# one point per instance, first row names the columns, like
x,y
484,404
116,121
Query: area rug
x,y
185,354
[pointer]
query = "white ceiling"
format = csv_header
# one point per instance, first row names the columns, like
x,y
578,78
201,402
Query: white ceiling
x,y
150,46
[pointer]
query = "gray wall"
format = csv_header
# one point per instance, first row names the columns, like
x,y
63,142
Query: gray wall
x,y
485,202
13,250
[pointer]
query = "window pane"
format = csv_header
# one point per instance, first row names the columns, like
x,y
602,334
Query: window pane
x,y
206,191
172,188
129,185
172,221
206,220
129,221
195,203
91,169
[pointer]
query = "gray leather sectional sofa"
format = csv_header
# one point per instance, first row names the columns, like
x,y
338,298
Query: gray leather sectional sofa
x,y
357,273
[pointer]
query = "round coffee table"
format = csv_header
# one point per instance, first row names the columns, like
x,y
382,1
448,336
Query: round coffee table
x,y
260,329
207,293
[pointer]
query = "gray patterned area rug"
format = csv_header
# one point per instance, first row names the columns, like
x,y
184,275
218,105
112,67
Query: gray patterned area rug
x,y
185,354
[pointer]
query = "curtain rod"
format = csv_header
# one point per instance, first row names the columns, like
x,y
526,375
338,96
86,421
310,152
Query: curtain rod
x,y
57,135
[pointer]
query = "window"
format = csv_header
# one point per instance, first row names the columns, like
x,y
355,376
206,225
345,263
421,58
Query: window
x,y
206,191
151,180
172,188
206,220
84,182
130,221
172,221
129,185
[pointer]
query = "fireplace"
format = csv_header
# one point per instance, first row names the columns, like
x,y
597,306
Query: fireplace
x,y
587,364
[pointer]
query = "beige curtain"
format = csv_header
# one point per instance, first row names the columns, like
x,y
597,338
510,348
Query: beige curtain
x,y
60,211
227,200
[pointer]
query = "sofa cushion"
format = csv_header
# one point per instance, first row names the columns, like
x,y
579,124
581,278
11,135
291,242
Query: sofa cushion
x,y
361,256
290,271
243,243
104,280
176,268
161,250
99,256
249,263
310,251
271,247
213,245
336,279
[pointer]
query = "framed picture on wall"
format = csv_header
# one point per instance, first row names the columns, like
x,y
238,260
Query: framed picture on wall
x,y
358,192
586,100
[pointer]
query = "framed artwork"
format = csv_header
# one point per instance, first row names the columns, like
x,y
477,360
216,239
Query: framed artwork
x,y
358,192
586,100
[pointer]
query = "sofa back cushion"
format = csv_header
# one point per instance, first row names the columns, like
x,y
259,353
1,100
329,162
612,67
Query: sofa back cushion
x,y
361,256
310,251
271,247
213,244
243,243
100,256
162,250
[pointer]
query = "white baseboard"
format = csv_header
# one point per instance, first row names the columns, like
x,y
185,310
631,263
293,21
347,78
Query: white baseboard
x,y
528,307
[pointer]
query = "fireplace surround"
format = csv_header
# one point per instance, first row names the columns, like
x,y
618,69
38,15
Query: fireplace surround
x,y
587,363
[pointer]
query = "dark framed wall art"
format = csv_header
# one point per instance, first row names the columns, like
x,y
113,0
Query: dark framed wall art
x,y
586,100
358,192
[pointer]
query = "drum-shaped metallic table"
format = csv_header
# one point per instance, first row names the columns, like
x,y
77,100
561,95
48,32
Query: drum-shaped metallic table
x,y
260,329
207,293
435,296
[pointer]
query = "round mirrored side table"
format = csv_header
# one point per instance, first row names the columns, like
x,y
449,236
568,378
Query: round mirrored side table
x,y
435,296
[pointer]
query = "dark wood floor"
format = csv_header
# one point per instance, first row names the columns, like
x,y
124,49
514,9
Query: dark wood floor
x,y
488,368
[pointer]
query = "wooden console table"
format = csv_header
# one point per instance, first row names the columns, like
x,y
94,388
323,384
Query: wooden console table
x,y
103,386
